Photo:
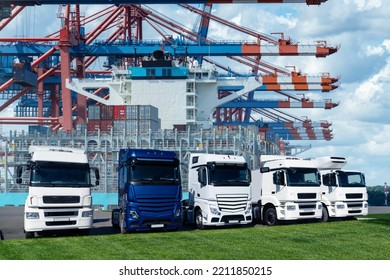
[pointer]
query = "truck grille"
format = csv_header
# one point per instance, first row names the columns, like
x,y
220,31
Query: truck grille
x,y
307,195
155,205
60,199
232,202
353,195
62,214
307,209
355,204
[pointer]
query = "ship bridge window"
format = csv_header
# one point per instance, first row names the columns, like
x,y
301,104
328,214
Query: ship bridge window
x,y
167,72
191,87
150,73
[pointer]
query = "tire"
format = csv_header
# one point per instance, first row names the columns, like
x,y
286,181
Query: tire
x,y
325,214
199,219
114,220
270,218
29,234
122,223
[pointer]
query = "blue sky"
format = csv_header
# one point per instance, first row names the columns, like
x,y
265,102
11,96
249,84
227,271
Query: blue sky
x,y
361,123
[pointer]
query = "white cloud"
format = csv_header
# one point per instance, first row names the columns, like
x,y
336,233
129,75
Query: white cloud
x,y
379,50
366,5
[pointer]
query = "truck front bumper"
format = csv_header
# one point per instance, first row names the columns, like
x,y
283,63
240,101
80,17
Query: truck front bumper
x,y
348,209
38,219
301,210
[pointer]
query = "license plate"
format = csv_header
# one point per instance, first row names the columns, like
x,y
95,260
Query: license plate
x,y
157,226
233,221
61,219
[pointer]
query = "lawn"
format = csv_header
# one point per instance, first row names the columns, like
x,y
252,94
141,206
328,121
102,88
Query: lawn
x,y
366,239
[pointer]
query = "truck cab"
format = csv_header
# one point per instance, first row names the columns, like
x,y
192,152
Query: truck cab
x,y
59,195
149,191
285,188
343,192
219,192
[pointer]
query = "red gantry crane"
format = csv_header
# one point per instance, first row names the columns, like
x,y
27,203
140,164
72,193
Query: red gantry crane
x,y
69,53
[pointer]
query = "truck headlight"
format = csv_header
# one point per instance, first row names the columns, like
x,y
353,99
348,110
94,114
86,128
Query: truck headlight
x,y
365,205
87,214
291,207
178,212
248,209
319,206
134,214
340,206
214,211
32,215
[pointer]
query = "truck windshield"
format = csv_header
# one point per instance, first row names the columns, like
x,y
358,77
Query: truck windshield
x,y
229,175
59,174
351,179
302,177
150,172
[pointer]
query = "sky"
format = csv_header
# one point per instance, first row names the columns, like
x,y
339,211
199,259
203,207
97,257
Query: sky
x,y
361,28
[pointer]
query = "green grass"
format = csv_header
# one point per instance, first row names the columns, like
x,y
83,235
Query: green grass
x,y
337,240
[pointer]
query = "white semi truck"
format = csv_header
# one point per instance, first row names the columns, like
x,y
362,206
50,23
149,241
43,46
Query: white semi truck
x,y
343,192
59,196
285,188
219,191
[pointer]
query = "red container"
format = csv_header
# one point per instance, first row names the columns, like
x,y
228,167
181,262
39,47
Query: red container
x,y
93,125
119,112
105,126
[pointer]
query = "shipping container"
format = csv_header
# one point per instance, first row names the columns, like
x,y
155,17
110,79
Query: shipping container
x,y
93,125
32,129
119,126
105,126
148,112
132,112
94,112
148,125
106,112
132,127
119,112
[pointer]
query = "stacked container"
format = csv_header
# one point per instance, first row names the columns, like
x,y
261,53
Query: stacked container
x,y
128,119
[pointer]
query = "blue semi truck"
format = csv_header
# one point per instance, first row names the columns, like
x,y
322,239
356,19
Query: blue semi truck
x,y
149,191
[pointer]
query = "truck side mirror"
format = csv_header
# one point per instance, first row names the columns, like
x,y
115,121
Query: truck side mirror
x,y
97,176
278,178
19,171
264,169
202,176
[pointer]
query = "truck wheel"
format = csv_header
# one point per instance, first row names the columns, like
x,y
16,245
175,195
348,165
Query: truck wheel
x,y
122,223
29,234
270,218
325,214
115,218
199,220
